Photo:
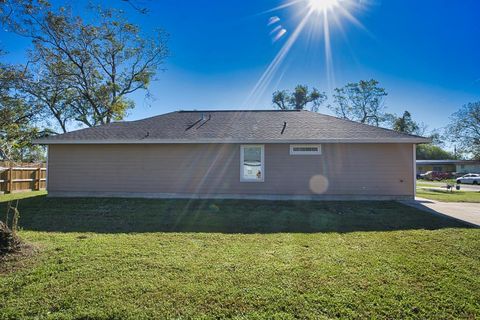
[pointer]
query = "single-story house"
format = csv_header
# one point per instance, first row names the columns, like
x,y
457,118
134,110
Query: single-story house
x,y
234,154
458,166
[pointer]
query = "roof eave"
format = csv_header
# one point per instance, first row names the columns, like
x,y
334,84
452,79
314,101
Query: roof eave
x,y
413,140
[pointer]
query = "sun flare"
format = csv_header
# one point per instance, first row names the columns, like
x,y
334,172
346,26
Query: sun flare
x,y
318,19
320,6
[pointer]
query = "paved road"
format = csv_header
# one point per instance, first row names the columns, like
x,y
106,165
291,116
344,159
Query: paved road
x,y
443,185
468,212
469,187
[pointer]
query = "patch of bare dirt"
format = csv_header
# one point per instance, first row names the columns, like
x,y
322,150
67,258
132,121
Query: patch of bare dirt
x,y
19,258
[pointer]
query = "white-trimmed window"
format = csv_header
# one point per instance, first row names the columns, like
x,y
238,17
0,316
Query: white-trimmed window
x,y
305,149
252,159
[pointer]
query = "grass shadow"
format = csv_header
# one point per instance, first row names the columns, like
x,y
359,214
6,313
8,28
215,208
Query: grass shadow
x,y
116,215
449,196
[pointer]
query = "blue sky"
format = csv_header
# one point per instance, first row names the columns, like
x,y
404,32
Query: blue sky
x,y
425,53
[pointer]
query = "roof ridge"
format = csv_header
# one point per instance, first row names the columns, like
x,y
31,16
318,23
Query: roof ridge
x,y
238,110
203,111
148,118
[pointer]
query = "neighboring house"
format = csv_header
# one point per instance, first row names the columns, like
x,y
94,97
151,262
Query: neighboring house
x,y
458,166
234,154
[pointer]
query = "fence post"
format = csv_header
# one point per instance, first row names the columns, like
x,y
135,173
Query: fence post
x,y
10,180
38,175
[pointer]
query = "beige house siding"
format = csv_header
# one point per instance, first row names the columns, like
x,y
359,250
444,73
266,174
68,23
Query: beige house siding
x,y
341,169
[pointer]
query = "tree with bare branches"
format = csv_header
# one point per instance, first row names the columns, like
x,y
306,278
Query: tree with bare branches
x,y
362,102
464,129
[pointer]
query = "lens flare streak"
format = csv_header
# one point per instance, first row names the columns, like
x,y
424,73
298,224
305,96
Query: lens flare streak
x,y
280,34
266,78
275,30
321,14
273,20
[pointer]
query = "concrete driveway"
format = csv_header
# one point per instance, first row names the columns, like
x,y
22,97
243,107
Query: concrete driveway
x,y
467,212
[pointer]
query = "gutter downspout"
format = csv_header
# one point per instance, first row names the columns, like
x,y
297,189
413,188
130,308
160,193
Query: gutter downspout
x,y
46,174
414,156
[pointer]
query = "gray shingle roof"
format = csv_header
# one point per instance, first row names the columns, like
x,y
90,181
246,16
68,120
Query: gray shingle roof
x,y
234,126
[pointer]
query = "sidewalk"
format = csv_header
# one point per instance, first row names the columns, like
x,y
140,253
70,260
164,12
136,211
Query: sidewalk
x,y
467,212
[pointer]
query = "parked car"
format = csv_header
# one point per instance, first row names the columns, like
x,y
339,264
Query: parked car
x,y
471,178
435,175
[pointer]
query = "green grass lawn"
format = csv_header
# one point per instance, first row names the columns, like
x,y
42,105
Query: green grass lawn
x,y
139,259
447,196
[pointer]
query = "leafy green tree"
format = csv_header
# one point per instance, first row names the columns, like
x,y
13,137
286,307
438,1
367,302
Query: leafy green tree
x,y
406,124
100,63
51,95
464,129
433,152
362,102
17,132
17,119
299,99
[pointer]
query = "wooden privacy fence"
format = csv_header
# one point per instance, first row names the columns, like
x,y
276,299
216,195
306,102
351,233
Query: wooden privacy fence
x,y
18,179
